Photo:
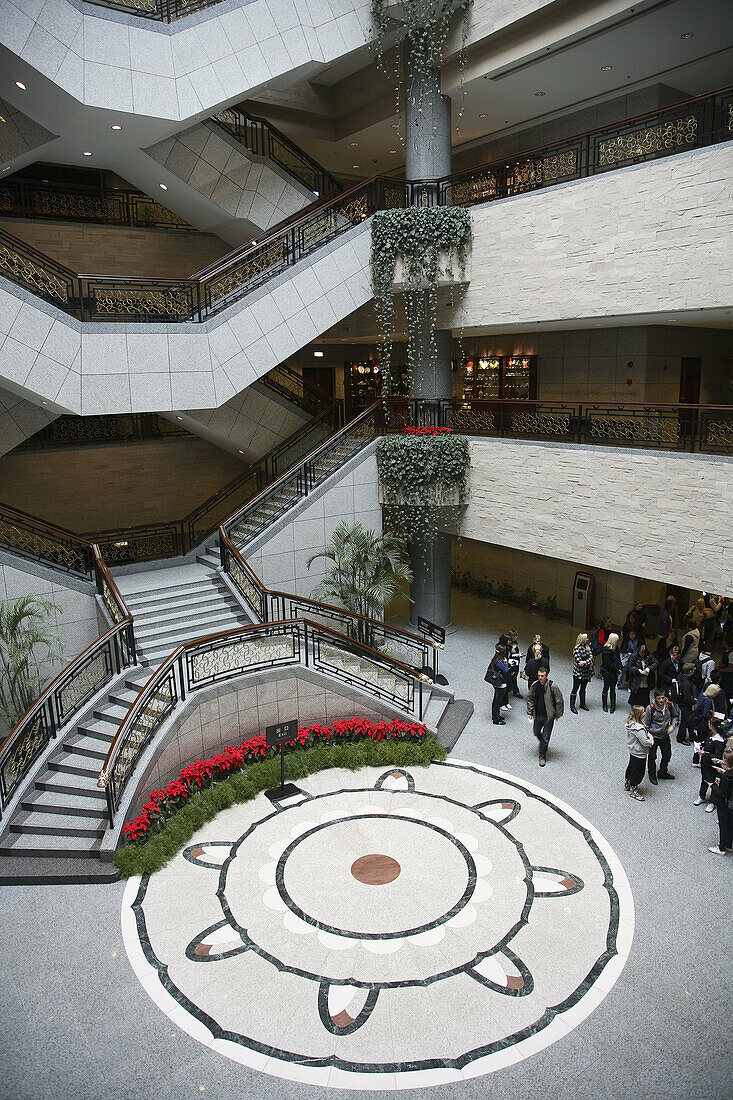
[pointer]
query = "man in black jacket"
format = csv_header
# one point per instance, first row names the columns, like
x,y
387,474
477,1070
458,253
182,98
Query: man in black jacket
x,y
669,671
682,693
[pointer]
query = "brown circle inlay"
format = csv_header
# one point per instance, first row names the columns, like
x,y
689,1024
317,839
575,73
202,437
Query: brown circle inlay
x,y
375,870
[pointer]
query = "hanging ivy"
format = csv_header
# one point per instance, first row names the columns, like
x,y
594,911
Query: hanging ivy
x,y
423,474
419,236
427,24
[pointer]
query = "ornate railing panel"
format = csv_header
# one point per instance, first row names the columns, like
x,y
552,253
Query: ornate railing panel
x,y
265,140
246,581
73,431
163,11
52,545
237,653
288,383
61,202
695,123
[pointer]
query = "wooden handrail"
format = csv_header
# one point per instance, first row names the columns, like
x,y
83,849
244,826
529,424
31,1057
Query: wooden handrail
x,y
51,528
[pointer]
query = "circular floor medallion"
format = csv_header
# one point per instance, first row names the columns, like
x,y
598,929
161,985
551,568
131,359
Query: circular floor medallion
x,y
375,870
306,941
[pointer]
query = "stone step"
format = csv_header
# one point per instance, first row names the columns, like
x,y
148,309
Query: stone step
x,y
433,712
57,825
58,783
103,731
71,766
109,713
89,748
72,847
58,802
158,652
142,596
24,870
192,596
168,621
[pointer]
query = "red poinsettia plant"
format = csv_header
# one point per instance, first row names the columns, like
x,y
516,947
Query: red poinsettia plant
x,y
203,773
427,431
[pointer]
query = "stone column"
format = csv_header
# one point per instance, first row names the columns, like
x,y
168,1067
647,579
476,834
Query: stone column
x,y
428,156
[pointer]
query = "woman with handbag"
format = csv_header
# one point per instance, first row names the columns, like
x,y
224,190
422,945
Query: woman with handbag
x,y
497,674
582,671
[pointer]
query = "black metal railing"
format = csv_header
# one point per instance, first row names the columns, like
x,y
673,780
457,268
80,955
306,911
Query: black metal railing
x,y
162,11
291,385
706,429
36,199
215,288
152,541
237,653
88,431
265,140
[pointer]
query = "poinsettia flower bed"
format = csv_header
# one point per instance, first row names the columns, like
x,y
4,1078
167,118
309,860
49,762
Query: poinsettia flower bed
x,y
205,773
428,430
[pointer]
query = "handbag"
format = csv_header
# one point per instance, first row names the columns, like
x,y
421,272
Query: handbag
x,y
491,676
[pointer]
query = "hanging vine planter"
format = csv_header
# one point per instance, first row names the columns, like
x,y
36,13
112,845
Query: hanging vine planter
x,y
423,475
431,244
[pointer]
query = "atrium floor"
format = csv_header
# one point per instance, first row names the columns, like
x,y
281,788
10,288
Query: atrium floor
x,y
78,1022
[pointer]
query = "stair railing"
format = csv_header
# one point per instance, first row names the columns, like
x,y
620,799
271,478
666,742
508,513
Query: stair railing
x,y
288,383
235,653
693,123
264,139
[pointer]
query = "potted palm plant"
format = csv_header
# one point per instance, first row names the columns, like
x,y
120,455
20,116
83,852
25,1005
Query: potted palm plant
x,y
506,591
27,641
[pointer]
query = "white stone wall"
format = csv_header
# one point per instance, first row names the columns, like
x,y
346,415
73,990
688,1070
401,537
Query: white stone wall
x,y
20,419
653,514
252,423
279,556
655,236
240,184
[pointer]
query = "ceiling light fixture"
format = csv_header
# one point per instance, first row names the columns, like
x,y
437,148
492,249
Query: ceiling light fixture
x,y
395,125
606,68
688,34
179,418
393,150
539,93
353,144
115,126
483,116
20,84
356,166
86,153
318,355
163,186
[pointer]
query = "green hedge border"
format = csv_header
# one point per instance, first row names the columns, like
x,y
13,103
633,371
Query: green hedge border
x,y
243,786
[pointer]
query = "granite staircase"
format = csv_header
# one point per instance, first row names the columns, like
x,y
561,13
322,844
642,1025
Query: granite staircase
x,y
177,604
63,816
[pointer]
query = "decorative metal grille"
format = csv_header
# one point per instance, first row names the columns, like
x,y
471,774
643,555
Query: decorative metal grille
x,y
84,683
645,142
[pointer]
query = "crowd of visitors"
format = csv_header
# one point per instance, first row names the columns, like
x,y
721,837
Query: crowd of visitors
x,y
676,689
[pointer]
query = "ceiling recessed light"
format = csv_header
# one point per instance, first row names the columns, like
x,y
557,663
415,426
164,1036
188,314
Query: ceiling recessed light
x,y
606,68
318,355
20,84
115,126
44,402
86,153
539,93
394,150
163,186
7,168
483,116
179,418
395,125
688,34
241,452
353,144
356,166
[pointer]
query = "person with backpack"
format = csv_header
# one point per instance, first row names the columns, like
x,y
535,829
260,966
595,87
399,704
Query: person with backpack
x,y
497,675
610,667
723,798
683,694
659,719
545,705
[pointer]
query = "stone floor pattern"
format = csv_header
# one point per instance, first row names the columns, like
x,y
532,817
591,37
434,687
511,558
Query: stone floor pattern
x,y
385,930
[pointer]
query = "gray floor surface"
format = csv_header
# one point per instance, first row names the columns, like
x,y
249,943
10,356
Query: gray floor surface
x,y
77,1024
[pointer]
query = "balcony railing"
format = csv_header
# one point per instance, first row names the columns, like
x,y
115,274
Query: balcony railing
x,y
34,199
162,11
88,431
265,140
695,123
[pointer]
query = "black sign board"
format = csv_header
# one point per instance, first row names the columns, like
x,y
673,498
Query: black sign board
x,y
283,731
437,633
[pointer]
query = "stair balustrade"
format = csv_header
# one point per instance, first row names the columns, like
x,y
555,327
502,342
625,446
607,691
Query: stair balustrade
x,y
236,653
692,124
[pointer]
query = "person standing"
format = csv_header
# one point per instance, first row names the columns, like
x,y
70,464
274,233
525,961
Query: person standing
x,y
582,671
659,719
535,662
497,675
545,649
545,705
723,798
710,756
638,741
610,667
639,671
683,694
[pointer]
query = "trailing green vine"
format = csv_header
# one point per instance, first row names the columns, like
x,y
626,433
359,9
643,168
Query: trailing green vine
x,y
419,236
423,474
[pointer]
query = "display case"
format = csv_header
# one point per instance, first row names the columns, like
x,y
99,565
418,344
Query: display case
x,y
518,382
493,378
363,385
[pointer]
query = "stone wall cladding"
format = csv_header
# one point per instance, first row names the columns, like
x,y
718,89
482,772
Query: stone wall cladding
x,y
644,513
279,556
20,419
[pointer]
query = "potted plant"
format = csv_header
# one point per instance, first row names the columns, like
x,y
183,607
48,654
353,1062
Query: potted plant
x,y
455,578
527,597
485,588
506,591
550,606
465,581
